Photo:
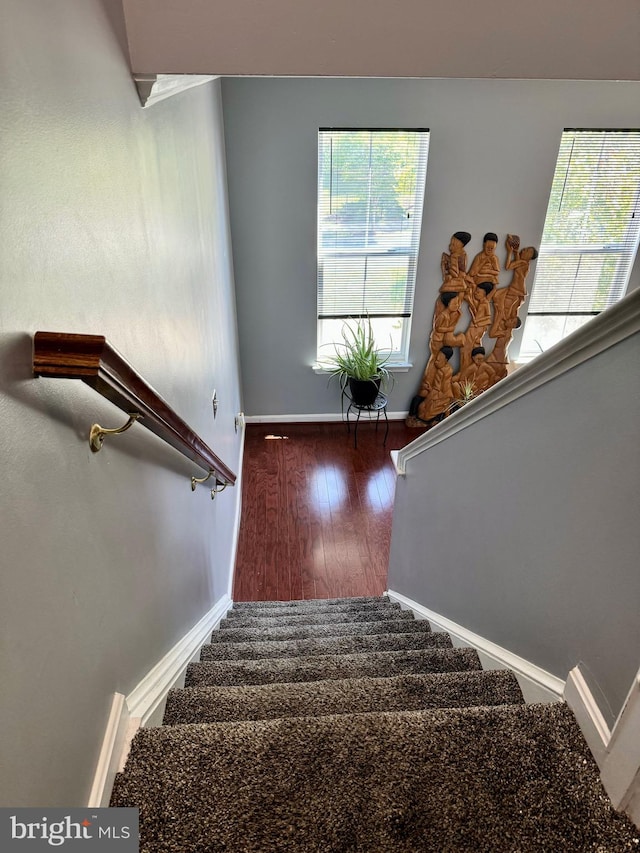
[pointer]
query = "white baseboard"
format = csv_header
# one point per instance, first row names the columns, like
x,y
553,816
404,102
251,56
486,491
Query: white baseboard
x,y
323,418
592,723
113,745
616,751
621,770
537,684
129,713
237,511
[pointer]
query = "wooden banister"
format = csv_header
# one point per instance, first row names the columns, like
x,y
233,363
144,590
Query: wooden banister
x,y
93,360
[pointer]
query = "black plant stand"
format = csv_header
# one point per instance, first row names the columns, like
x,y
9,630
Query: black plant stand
x,y
378,406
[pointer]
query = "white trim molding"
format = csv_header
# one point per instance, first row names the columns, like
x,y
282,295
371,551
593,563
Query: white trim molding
x,y
129,713
241,425
617,751
323,418
602,332
113,745
525,670
153,88
592,723
622,764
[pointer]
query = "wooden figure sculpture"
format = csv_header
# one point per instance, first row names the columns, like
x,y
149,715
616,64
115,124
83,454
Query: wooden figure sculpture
x,y
446,318
443,339
435,396
507,300
498,360
479,301
454,264
441,392
486,266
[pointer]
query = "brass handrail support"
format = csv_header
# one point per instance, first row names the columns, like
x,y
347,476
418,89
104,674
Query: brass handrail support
x,y
91,359
97,433
216,490
195,480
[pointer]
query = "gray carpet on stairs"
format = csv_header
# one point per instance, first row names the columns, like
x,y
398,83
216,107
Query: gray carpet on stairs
x,y
316,609
348,727
312,602
371,615
509,778
357,695
325,646
318,667
333,629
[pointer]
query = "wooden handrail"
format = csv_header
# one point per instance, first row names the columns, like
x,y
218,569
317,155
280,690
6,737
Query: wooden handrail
x,y
93,360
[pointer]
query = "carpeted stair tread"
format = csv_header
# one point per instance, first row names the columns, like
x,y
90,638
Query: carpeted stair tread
x,y
319,667
331,609
315,618
508,778
357,695
325,646
310,602
333,629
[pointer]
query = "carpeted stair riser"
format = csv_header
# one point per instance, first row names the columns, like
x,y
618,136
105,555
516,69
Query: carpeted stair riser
x,y
320,667
308,632
275,612
324,646
315,619
358,695
510,778
310,602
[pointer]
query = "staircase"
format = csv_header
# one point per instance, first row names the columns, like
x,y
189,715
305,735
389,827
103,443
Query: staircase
x,y
347,725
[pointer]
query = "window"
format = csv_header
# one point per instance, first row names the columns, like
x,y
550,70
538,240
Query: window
x,y
590,235
370,195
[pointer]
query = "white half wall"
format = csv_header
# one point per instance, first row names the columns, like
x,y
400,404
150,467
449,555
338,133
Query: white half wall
x,y
524,526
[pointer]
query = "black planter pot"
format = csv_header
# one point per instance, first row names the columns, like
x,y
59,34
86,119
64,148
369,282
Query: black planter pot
x,y
363,391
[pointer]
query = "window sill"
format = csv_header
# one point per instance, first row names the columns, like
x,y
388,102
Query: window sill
x,y
400,367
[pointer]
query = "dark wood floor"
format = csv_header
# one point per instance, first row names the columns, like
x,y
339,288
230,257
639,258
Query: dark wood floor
x,y
316,512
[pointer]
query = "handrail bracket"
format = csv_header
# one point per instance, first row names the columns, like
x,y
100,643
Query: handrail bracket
x,y
195,480
97,433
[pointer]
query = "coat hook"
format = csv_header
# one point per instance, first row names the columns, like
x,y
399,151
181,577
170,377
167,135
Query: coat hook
x,y
195,480
97,433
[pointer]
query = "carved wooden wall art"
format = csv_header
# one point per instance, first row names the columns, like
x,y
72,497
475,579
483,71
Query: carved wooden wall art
x,y
463,364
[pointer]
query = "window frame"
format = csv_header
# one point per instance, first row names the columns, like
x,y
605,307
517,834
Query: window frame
x,y
398,357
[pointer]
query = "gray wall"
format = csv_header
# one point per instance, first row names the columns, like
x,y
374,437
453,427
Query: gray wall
x,y
114,222
524,528
493,151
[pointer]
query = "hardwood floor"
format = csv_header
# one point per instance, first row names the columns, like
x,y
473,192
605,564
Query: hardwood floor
x,y
316,512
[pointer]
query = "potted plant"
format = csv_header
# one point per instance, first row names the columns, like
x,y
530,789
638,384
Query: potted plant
x,y
357,363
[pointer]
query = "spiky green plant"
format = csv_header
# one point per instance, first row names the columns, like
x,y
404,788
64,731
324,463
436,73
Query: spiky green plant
x,y
357,357
467,392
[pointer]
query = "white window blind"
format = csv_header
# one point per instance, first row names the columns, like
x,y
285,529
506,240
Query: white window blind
x,y
590,235
370,196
